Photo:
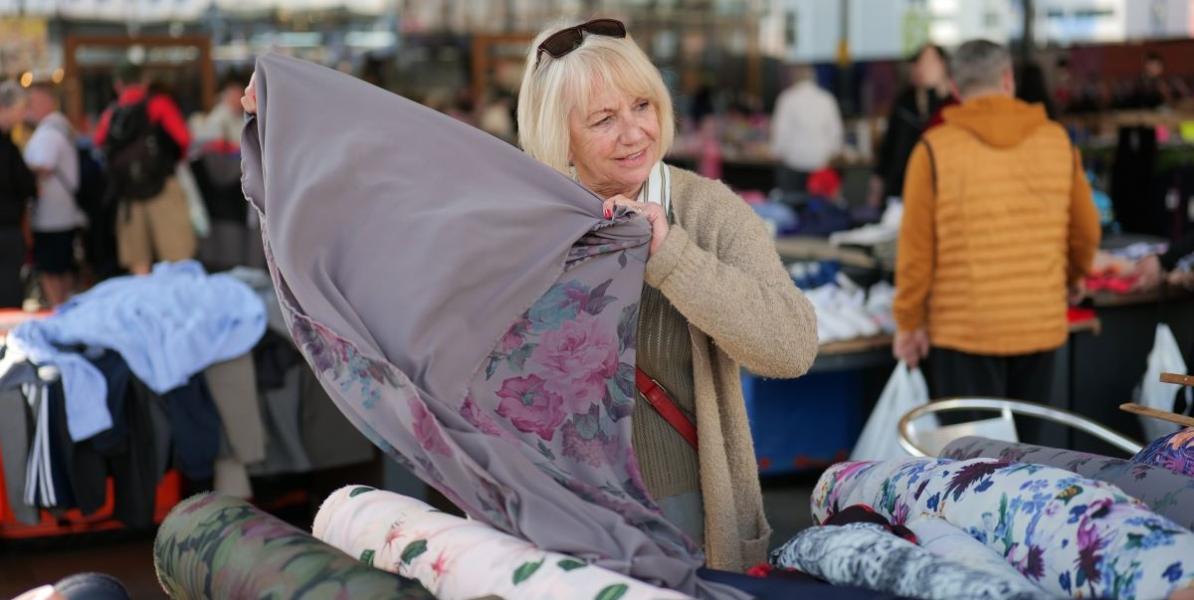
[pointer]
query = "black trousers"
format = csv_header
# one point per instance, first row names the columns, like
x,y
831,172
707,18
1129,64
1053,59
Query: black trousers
x,y
12,257
1027,377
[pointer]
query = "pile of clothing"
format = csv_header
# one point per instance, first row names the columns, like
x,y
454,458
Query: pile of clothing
x,y
142,374
995,519
845,310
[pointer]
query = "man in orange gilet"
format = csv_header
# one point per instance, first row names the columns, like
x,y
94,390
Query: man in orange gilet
x,y
998,226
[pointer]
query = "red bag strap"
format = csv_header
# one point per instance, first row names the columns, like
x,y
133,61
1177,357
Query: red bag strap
x,y
663,404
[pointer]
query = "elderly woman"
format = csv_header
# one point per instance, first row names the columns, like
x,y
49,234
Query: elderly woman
x,y
716,297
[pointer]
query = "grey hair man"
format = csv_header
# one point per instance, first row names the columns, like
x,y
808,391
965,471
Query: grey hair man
x,y
998,224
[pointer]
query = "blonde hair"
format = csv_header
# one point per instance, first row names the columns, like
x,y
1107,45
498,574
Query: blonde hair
x,y
555,87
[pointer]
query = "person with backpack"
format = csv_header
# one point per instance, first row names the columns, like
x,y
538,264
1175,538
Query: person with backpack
x,y
56,219
143,137
17,188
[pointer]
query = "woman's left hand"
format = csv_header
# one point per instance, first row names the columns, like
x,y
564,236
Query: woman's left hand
x,y
653,212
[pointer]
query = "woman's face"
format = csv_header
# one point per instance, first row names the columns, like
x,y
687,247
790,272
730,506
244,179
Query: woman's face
x,y
929,69
614,141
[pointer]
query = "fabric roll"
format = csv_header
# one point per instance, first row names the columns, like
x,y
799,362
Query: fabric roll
x,y
1174,452
1067,534
867,555
939,537
211,546
519,413
1165,492
458,559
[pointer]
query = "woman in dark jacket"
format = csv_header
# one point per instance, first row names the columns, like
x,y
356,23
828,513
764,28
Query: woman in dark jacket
x,y
910,115
17,187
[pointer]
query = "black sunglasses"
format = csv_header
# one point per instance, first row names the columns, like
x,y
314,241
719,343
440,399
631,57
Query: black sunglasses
x,y
564,41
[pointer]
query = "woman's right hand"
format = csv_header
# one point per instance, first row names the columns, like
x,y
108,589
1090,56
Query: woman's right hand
x,y
249,100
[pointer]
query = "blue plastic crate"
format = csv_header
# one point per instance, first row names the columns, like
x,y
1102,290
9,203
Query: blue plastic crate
x,y
806,423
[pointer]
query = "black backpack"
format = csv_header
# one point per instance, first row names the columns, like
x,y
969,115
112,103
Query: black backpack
x,y
139,155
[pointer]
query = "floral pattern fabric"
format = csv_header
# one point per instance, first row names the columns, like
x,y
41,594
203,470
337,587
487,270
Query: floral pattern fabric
x,y
939,537
216,547
1165,492
520,417
1067,534
1174,452
459,559
867,555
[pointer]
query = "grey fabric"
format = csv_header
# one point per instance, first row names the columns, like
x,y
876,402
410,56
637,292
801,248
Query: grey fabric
x,y
1168,494
407,248
15,437
867,555
233,388
284,452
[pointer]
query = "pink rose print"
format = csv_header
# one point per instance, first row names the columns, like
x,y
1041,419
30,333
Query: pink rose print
x,y
513,339
427,430
473,415
576,360
595,451
530,407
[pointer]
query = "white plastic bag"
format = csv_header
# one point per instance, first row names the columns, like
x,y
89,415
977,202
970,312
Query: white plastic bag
x,y
1166,357
905,391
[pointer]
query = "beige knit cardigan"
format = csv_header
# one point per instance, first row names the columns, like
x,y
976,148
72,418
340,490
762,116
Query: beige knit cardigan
x,y
718,267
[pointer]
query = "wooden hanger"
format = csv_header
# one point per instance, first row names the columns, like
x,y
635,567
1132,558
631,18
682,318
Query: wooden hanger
x,y
1187,380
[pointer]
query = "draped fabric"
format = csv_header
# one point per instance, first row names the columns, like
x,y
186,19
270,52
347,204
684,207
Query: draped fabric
x,y
468,309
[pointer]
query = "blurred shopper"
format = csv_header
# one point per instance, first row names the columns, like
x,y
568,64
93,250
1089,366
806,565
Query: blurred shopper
x,y
226,119
17,188
56,219
806,130
998,224
143,137
910,115
215,163
1152,89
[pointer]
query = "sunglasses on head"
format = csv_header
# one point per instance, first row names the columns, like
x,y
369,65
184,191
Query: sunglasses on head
x,y
564,41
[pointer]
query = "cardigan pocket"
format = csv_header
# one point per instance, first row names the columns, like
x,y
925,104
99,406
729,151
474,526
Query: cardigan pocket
x,y
754,550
